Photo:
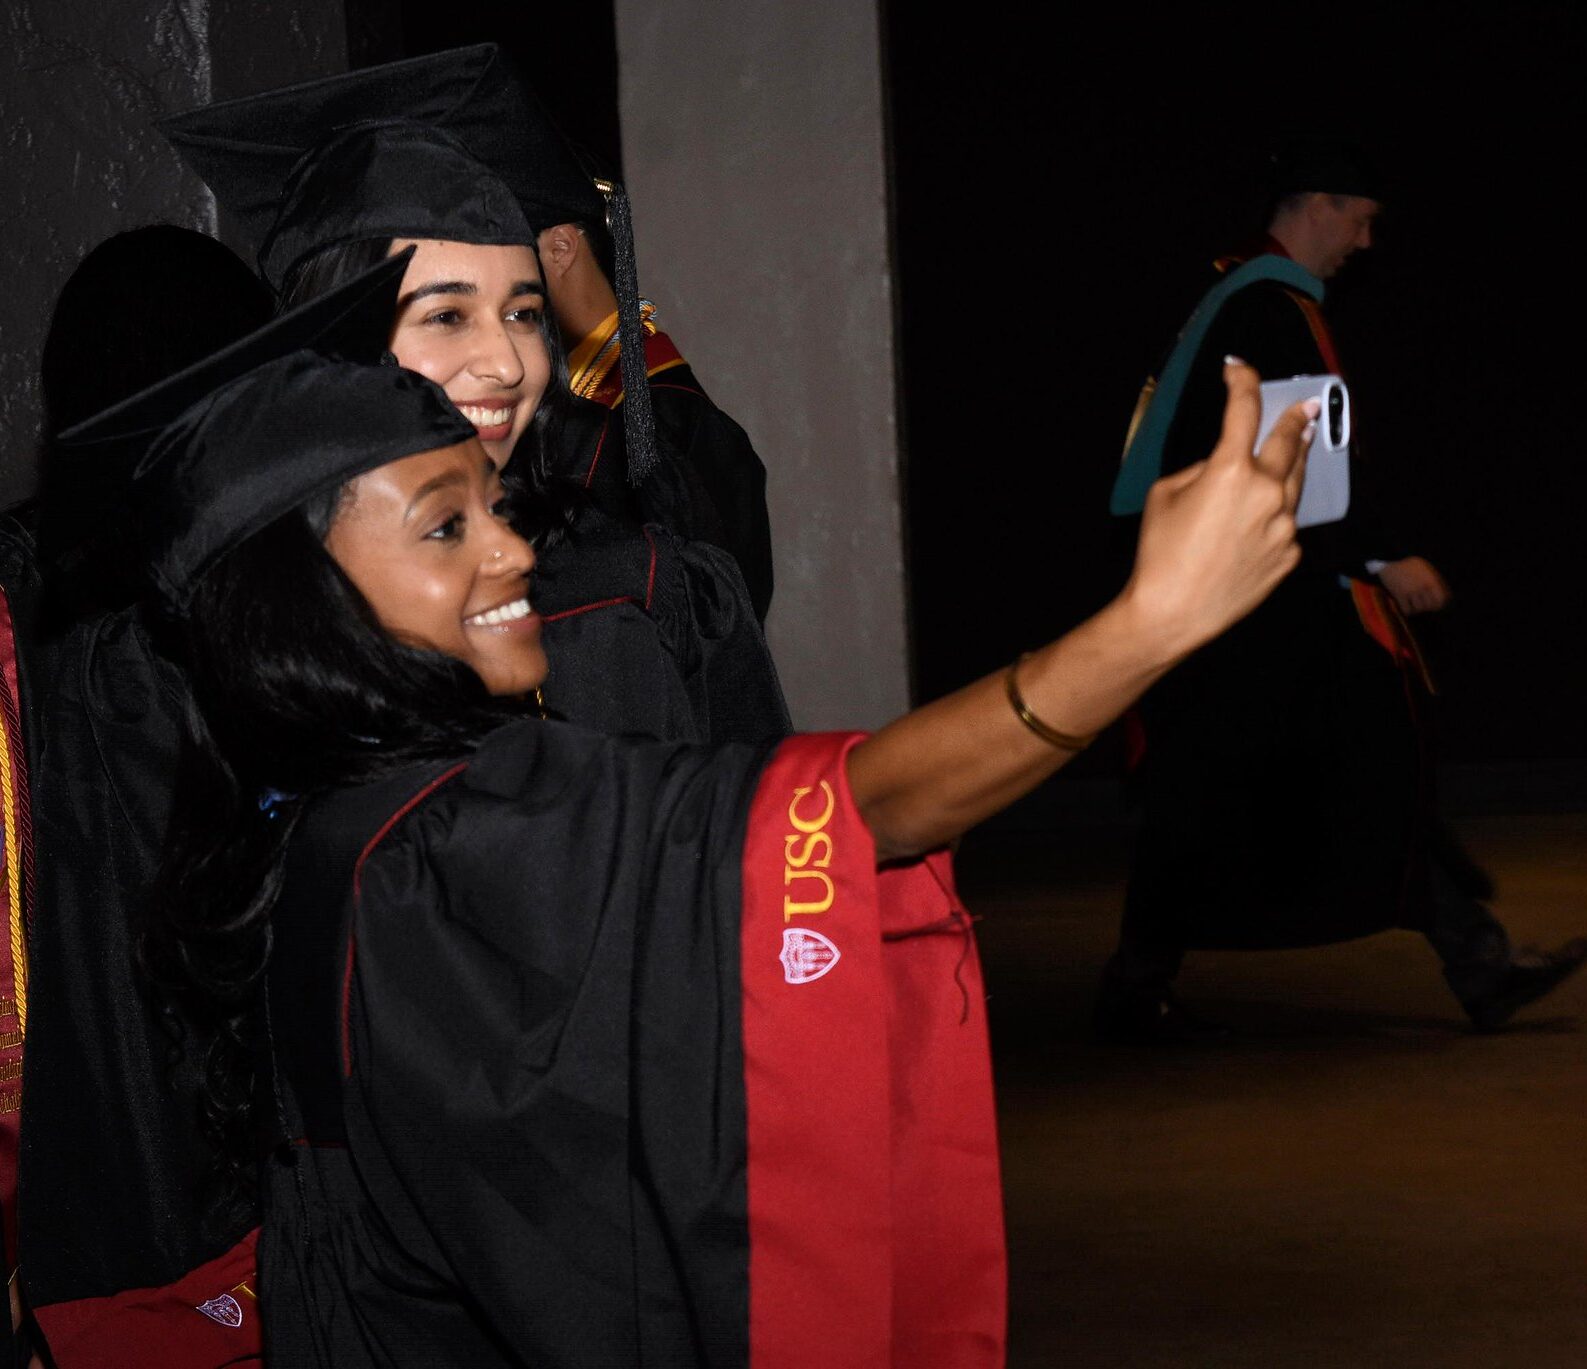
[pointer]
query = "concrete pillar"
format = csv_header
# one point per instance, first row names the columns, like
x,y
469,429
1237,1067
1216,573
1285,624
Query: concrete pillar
x,y
754,149
79,86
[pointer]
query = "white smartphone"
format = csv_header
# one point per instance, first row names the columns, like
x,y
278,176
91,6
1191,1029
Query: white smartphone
x,y
1325,497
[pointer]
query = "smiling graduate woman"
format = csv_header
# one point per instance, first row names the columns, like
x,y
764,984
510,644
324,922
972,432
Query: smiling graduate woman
x,y
473,321
450,154
581,1051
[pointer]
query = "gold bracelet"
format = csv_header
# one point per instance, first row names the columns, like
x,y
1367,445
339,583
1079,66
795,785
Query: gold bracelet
x,y
1051,735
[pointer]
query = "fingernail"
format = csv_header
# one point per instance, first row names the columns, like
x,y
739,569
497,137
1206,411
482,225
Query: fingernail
x,y
1309,432
1232,360
1312,407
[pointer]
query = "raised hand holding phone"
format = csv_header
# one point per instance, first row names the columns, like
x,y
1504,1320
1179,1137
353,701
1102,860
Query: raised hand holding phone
x,y
1215,539
1326,495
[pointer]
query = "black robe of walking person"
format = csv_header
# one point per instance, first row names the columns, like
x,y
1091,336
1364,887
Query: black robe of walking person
x,y
1283,786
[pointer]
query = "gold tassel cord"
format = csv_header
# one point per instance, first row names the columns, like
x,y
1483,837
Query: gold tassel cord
x,y
13,859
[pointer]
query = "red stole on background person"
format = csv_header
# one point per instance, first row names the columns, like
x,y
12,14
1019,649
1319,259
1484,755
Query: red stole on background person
x,y
593,372
1380,616
875,1202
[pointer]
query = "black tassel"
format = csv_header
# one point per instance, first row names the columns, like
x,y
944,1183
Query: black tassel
x,y
639,425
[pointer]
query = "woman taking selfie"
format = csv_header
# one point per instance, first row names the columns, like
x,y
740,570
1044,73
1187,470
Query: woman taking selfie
x,y
584,1051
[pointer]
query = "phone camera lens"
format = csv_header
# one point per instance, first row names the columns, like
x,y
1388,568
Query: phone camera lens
x,y
1336,416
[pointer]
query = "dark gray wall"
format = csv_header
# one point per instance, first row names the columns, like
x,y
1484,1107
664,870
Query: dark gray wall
x,y
79,84
753,145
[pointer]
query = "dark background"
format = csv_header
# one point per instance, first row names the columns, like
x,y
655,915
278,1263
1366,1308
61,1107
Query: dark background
x,y
1059,202
1060,191
568,51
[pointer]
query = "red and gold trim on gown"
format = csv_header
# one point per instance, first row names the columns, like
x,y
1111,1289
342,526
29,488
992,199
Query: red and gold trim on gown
x,y
593,372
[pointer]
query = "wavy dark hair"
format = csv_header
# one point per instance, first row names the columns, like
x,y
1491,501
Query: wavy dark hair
x,y
295,688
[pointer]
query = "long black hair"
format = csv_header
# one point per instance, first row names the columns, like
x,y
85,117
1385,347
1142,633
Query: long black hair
x,y
295,688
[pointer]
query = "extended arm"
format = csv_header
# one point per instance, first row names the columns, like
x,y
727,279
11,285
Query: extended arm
x,y
1216,538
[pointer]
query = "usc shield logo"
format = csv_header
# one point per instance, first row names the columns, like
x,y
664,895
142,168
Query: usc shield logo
x,y
223,1309
806,955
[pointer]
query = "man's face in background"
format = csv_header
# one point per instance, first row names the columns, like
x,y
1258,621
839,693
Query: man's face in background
x,y
1342,225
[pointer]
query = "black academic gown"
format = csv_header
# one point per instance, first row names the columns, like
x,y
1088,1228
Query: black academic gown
x,y
119,1196
724,466
526,1013
649,630
726,480
119,1202
108,747
1282,787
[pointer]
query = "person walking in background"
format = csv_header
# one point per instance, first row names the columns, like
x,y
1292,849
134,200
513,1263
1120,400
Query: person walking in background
x,y
1284,775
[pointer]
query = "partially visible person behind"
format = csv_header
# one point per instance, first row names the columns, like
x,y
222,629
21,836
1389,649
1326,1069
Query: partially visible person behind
x,y
1284,773
122,1210
714,450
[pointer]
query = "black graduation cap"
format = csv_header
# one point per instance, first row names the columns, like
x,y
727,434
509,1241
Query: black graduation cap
x,y
451,146
218,451
1327,163
424,148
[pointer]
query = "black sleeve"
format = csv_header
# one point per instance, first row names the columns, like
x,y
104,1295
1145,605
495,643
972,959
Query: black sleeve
x,y
720,461
708,486
119,1187
650,633
703,608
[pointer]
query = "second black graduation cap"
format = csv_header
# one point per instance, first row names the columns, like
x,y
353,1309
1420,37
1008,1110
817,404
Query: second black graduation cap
x,y
216,452
422,148
451,146
1328,163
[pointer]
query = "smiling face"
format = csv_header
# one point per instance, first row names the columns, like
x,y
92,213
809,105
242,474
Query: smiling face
x,y
425,541
1341,227
470,317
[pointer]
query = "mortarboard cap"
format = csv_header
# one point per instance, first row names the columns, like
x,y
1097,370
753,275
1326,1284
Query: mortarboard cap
x,y
215,453
419,149
452,145
1328,164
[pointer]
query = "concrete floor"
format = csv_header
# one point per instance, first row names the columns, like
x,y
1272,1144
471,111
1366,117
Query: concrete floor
x,y
1356,1181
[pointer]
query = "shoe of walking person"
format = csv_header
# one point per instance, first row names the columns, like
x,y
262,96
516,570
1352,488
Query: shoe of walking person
x,y
1528,976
